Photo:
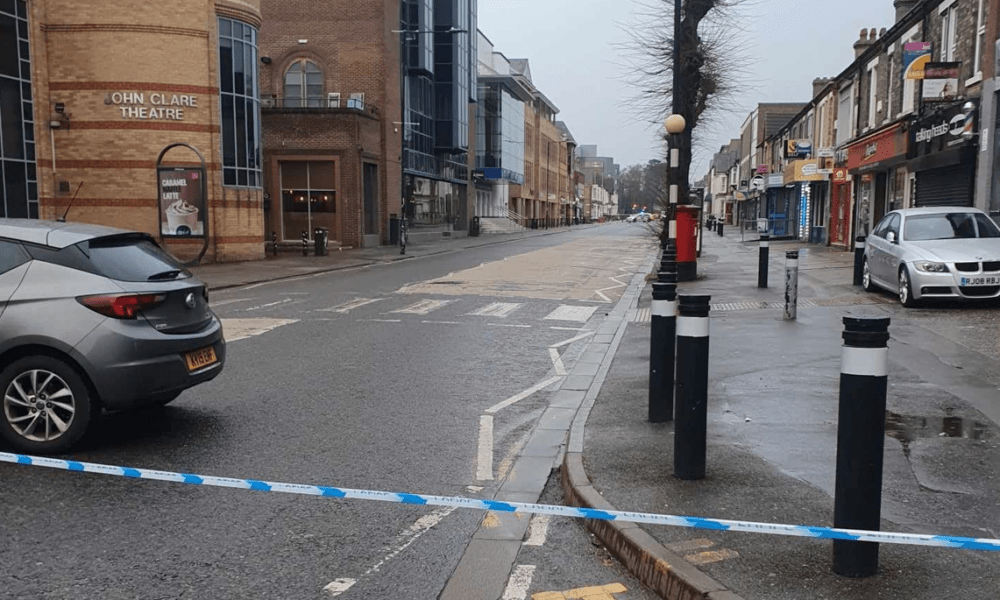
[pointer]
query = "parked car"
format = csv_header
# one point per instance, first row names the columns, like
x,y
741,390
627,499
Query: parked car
x,y
941,252
94,318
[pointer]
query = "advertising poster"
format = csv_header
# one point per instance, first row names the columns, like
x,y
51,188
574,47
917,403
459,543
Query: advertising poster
x,y
941,81
182,202
916,55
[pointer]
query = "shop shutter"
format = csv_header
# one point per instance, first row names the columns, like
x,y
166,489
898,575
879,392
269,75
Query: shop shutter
x,y
948,186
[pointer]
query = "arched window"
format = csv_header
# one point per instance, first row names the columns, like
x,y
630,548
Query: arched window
x,y
303,85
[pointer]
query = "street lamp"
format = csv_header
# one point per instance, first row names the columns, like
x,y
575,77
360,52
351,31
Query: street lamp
x,y
404,73
675,125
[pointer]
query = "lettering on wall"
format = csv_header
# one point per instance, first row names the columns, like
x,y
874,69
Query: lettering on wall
x,y
151,106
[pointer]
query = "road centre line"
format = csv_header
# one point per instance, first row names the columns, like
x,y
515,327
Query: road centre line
x,y
571,329
403,541
380,320
225,302
506,325
519,583
443,322
518,397
270,304
484,455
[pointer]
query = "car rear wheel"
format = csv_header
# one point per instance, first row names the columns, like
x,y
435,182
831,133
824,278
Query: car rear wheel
x,y
905,289
866,276
46,405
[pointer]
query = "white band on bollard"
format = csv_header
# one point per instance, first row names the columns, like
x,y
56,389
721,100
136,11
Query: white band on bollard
x,y
673,230
673,193
860,245
867,362
664,308
765,244
692,327
675,158
791,262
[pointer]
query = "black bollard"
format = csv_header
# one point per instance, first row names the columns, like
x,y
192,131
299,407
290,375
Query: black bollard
x,y
662,342
274,243
859,259
691,419
791,285
762,265
860,442
305,243
721,223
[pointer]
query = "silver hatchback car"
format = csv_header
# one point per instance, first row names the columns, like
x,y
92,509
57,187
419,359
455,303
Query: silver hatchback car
x,y
941,252
93,317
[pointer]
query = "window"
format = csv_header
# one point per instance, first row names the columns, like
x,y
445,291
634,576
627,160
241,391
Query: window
x,y
872,92
240,99
132,258
18,172
987,228
949,26
909,85
977,69
845,122
308,187
12,255
891,78
944,226
303,85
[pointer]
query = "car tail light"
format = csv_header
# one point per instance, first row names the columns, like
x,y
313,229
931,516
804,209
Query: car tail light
x,y
123,306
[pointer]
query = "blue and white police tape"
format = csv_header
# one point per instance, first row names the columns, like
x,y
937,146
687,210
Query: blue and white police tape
x,y
828,533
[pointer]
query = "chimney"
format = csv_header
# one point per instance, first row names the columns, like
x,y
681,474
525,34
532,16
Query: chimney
x,y
903,7
819,84
863,43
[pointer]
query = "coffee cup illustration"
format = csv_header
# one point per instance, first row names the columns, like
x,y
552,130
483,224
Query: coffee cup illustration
x,y
182,218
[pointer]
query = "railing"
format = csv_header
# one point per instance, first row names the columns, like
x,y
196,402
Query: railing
x,y
317,104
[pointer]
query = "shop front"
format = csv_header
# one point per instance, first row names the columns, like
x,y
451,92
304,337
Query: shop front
x,y
875,162
840,208
807,185
943,156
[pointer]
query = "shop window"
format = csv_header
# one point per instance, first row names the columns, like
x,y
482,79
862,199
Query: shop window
x,y
239,97
308,187
303,85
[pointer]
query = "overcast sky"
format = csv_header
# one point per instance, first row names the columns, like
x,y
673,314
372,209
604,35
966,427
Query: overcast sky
x,y
572,47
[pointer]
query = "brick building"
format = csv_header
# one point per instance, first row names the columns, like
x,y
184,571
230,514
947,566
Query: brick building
x,y
330,89
92,92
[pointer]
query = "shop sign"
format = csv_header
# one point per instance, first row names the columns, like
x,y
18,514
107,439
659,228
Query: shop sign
x,y
182,201
840,176
916,55
889,144
954,126
798,148
803,170
761,170
776,180
151,106
824,153
941,81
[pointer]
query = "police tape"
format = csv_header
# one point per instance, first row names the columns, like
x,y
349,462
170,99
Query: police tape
x,y
827,533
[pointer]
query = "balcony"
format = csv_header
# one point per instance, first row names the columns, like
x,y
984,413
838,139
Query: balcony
x,y
331,103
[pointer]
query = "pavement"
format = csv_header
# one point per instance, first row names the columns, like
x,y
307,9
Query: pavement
x,y
773,392
287,265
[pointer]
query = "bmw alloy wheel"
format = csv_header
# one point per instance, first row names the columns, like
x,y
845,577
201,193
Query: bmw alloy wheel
x,y
39,405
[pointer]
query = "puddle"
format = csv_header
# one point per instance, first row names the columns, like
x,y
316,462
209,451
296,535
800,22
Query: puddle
x,y
908,428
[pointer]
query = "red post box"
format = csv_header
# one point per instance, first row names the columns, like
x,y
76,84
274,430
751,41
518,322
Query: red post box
x,y
687,242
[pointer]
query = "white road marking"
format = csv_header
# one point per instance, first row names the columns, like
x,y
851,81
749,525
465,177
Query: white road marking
x,y
423,307
380,320
484,457
519,582
557,362
571,340
442,322
475,489
214,304
538,529
241,329
403,541
570,329
349,306
497,309
270,304
506,325
571,313
339,586
518,397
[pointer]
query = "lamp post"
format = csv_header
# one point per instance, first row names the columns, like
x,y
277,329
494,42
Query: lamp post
x,y
404,73
674,125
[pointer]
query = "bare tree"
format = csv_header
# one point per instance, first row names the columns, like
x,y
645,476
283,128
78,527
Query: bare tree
x,y
709,55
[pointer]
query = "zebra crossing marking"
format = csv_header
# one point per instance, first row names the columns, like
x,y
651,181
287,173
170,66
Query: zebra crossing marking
x,y
423,307
566,312
349,306
496,309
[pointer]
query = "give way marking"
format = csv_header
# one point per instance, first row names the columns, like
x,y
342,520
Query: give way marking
x,y
241,329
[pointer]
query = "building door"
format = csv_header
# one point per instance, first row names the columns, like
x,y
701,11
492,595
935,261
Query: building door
x,y
308,198
371,200
840,214
879,202
948,186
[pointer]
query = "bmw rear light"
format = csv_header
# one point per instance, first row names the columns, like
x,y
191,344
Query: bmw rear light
x,y
121,306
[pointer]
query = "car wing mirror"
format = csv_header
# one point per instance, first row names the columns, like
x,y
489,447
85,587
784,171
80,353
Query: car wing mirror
x,y
891,237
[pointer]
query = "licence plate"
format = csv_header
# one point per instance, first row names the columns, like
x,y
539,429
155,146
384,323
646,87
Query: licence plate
x,y
200,359
977,281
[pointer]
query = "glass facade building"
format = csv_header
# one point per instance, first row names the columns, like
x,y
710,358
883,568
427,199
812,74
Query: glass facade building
x,y
18,171
500,132
240,98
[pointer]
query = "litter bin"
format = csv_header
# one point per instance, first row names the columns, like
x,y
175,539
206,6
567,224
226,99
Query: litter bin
x,y
534,223
474,230
393,230
321,239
